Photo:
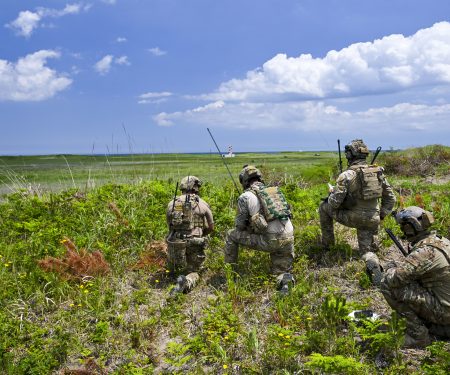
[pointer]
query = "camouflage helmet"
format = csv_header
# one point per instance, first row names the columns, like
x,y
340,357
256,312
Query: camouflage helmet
x,y
413,220
356,149
248,173
190,183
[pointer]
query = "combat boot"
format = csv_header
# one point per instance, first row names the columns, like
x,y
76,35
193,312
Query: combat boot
x,y
180,286
373,268
285,283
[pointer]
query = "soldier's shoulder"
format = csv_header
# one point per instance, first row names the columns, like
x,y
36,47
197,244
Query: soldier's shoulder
x,y
170,203
246,197
375,168
202,202
421,253
247,194
348,174
436,241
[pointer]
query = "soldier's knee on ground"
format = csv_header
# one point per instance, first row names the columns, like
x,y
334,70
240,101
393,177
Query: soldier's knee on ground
x,y
231,235
416,336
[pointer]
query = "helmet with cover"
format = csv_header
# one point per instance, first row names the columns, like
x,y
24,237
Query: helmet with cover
x,y
190,184
356,149
248,174
414,220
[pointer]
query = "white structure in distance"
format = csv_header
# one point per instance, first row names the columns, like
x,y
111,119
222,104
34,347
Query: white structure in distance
x,y
230,153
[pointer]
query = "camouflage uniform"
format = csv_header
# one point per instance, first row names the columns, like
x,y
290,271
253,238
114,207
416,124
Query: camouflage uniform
x,y
186,246
345,204
419,287
277,239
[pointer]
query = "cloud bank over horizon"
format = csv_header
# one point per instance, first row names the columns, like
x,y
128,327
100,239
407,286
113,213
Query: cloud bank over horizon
x,y
307,93
309,116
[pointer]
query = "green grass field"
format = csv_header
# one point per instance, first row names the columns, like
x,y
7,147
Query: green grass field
x,y
58,172
121,320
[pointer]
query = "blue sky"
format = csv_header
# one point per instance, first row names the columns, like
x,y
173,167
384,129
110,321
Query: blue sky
x,y
108,76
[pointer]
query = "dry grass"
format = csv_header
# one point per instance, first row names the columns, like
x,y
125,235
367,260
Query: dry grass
x,y
118,214
154,256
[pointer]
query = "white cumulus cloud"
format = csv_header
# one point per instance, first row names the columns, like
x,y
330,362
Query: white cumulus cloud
x,y
122,60
156,51
343,92
393,63
104,65
154,97
29,79
121,39
27,21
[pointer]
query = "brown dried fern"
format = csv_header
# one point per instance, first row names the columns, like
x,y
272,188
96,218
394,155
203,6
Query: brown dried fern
x,y
76,264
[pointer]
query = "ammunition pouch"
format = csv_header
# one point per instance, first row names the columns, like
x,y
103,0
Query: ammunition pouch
x,y
258,223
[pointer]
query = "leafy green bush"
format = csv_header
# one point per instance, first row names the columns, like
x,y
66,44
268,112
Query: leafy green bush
x,y
337,364
422,161
437,361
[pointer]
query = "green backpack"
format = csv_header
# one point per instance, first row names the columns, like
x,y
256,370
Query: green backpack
x,y
273,203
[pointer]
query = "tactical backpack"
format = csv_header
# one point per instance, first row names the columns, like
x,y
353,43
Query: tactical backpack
x,y
182,215
370,181
273,203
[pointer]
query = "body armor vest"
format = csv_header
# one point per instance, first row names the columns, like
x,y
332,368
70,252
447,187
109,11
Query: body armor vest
x,y
370,181
273,202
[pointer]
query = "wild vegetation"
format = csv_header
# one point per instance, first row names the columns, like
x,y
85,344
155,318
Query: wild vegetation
x,y
423,161
85,289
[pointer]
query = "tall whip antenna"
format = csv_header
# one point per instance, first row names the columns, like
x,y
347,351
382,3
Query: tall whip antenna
x,y
223,160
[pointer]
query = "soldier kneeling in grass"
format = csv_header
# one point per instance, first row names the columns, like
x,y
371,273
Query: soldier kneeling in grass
x,y
189,219
263,223
418,288
361,199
